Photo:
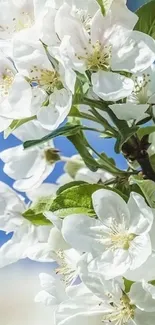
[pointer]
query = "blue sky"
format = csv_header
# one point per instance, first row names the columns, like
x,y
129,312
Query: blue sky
x,y
65,146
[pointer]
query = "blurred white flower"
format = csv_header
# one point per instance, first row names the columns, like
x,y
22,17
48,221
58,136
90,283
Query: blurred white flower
x,y
30,167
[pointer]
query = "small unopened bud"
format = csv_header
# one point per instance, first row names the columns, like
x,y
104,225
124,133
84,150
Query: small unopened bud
x,y
73,165
52,155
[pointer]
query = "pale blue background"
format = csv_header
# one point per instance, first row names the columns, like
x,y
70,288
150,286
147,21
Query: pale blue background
x,y
65,146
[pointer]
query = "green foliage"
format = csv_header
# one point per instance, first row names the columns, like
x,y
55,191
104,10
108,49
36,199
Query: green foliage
x,y
80,143
74,198
35,212
108,164
147,187
125,134
63,131
69,185
146,22
145,131
109,160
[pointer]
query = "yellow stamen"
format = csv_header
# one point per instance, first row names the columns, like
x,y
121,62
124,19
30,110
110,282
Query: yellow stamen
x,y
6,80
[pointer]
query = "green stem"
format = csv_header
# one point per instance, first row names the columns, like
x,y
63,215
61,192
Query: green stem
x,y
120,124
104,122
91,129
88,117
96,153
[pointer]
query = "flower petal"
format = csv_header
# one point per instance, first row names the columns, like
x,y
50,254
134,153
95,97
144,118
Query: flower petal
x,y
140,249
108,204
146,271
51,116
110,264
143,296
141,215
136,54
111,86
129,111
80,232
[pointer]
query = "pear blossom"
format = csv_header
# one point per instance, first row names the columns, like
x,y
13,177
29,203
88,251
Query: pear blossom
x,y
15,92
54,248
55,292
142,97
46,250
26,236
45,91
34,84
109,303
103,50
11,220
118,240
29,168
68,60
11,207
15,16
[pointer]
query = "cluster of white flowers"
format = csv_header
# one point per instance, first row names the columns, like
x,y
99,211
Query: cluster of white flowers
x,y
64,60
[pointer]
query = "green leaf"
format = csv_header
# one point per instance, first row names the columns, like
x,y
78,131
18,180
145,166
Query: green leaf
x,y
106,135
145,131
69,185
74,200
123,186
108,164
15,124
148,189
77,199
109,160
63,131
35,213
81,87
74,112
125,135
146,22
105,6
80,143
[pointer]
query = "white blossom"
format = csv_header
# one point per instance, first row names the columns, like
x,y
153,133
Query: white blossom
x,y
108,304
118,240
29,168
140,99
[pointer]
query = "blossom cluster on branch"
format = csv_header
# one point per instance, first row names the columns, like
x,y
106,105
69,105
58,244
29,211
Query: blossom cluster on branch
x,y
69,67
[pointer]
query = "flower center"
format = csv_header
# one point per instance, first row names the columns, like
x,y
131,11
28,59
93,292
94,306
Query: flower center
x,y
25,21
66,270
141,94
122,313
18,23
6,80
48,80
99,58
117,236
121,240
